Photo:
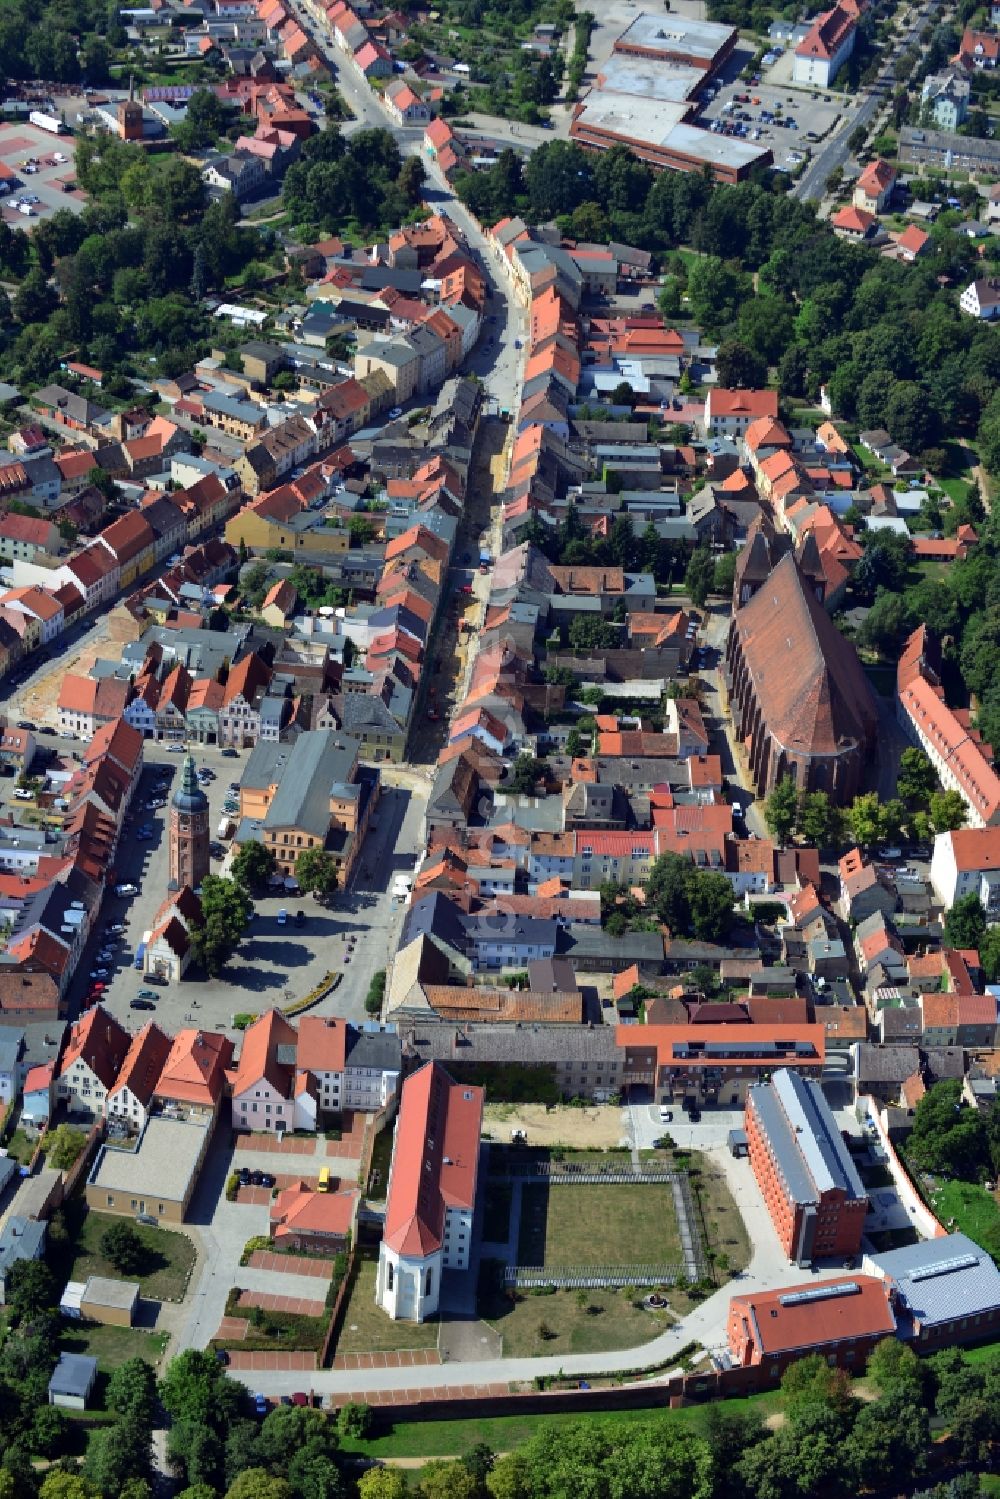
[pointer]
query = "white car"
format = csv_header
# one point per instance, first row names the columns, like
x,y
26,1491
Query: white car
x,y
395,413
127,889
21,794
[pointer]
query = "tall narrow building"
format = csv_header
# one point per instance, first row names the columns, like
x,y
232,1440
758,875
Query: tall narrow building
x,y
189,830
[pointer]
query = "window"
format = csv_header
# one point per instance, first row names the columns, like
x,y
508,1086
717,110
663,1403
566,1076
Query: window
x,y
429,1283
388,1279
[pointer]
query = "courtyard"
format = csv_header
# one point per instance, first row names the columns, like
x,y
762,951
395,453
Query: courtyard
x,y
597,1225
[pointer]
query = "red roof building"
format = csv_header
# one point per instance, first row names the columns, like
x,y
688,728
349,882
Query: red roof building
x,y
432,1191
840,1319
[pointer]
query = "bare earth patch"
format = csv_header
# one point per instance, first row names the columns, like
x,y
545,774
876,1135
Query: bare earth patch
x,y
594,1128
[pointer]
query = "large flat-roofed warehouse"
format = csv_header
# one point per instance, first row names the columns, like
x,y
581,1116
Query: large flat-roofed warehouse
x,y
157,1177
656,132
804,1170
647,95
672,38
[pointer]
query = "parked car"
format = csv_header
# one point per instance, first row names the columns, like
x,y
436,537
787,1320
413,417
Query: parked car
x,y
300,918
266,1179
666,1115
230,754
22,794
260,1405
148,994
282,916
158,979
141,1004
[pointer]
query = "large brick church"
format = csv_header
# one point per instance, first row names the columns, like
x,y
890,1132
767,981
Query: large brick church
x,y
800,701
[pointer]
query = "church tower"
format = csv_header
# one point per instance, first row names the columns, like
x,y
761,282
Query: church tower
x,y
189,829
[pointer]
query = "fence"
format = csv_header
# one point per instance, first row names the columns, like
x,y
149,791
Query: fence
x,y
559,1173
592,1277
337,1312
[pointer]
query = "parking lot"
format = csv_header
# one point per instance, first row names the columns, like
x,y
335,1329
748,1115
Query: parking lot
x,y
779,115
29,153
278,961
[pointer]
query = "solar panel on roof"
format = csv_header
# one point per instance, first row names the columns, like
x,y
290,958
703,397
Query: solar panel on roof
x,y
820,1293
944,1267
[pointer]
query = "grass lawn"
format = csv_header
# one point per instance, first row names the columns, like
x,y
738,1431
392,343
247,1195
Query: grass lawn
x,y
955,489
378,1176
504,1433
974,1210
112,1346
170,1256
367,1329
724,1230
597,1225
572,1321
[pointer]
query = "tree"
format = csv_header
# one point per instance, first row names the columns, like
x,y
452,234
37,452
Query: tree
x,y
36,300
355,1420
917,778
253,866
479,1460
50,1434
226,907
382,1483
588,632
524,775
123,1247
314,1475
316,871
196,1389
864,818
724,574
623,394
31,1288
948,811
131,1390
700,575
61,1485
711,899
947,1136
818,819
781,809
258,1483
442,1478
412,178
117,1454
965,923
739,368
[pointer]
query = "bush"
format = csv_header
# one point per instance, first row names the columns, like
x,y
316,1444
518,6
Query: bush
x,y
63,1146
376,993
355,1420
242,1020
232,1186
259,1241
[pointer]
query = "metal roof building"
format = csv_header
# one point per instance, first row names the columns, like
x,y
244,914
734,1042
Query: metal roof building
x,y
804,1138
945,1285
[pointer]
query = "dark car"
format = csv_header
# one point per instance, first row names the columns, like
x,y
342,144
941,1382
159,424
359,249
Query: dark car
x,y
158,979
141,1004
221,1357
300,918
230,754
25,723
244,1177
266,1179
256,1178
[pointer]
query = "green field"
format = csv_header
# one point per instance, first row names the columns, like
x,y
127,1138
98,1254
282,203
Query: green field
x,y
565,1321
974,1210
169,1256
597,1225
503,1433
112,1346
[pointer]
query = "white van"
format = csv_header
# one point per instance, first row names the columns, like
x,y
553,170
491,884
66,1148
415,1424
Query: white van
x,y
226,828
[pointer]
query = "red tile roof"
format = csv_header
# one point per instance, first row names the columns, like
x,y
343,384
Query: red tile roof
x,y
781,1324
435,1159
194,1072
100,1041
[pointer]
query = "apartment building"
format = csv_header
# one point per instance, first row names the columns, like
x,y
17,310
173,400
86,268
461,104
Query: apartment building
x,y
809,1182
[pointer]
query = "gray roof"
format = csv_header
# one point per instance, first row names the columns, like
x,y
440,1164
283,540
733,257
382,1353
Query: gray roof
x,y
584,941
8,1170
376,1048
306,774
535,1043
10,1051
796,1120
73,1375
886,1064
940,1280
162,1164
363,710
